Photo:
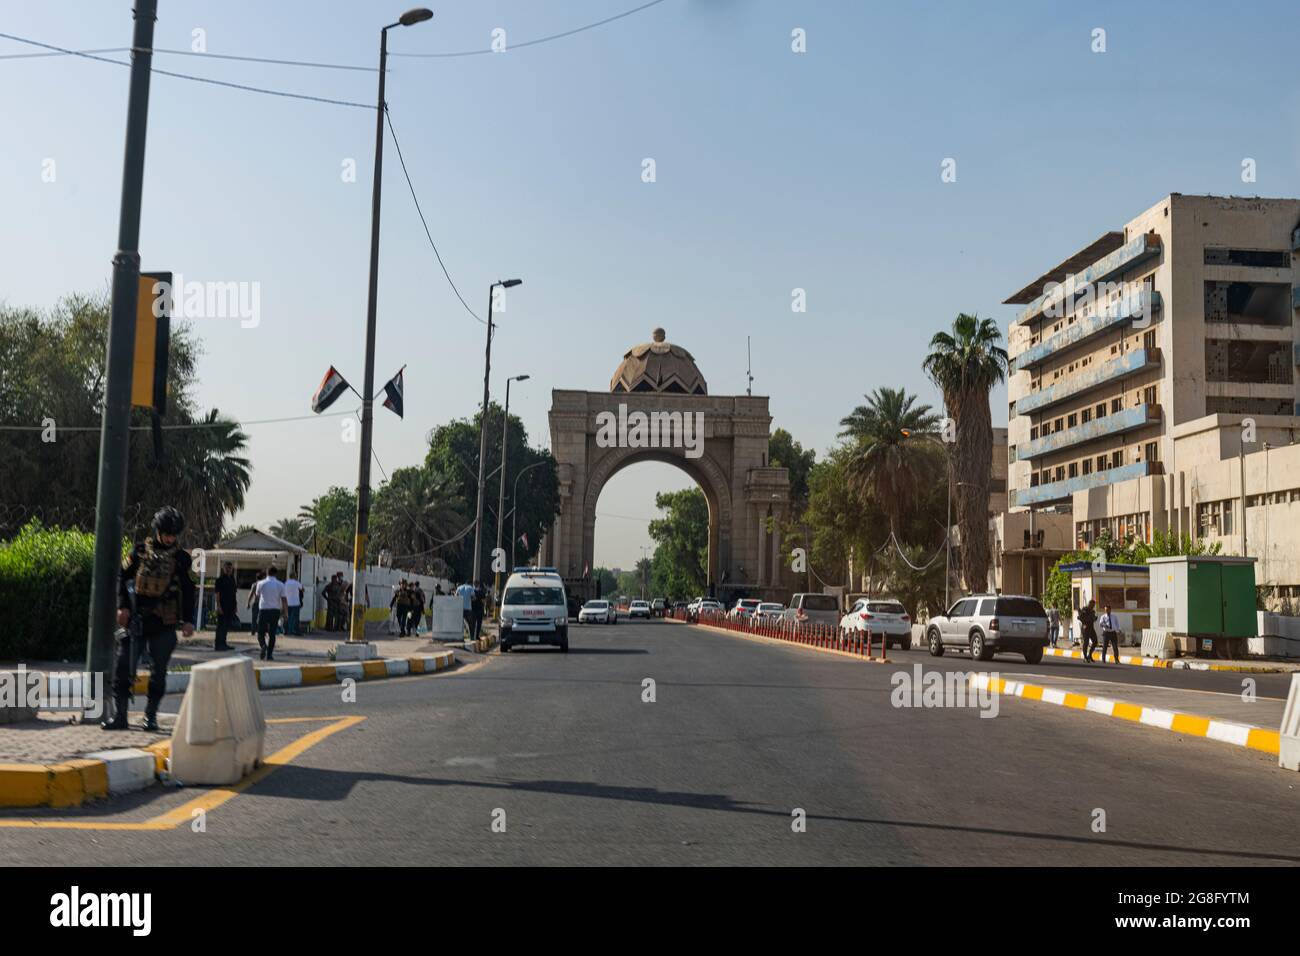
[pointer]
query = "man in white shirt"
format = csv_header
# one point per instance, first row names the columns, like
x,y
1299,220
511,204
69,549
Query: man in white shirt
x,y
293,600
1108,624
270,602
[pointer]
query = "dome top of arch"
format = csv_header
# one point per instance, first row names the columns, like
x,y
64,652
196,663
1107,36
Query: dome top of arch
x,y
658,366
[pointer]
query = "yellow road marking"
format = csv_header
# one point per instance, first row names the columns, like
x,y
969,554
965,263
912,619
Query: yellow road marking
x,y
215,797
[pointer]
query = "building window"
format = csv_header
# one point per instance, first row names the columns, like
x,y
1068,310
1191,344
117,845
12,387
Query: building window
x,y
1151,451
1087,466
1149,339
1072,421
1060,473
1101,410
1086,415
1150,395
1116,405
1101,462
1074,470
1117,458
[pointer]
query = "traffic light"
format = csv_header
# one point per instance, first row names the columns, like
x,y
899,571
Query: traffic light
x,y
152,340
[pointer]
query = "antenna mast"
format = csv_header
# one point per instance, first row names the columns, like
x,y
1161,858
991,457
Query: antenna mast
x,y
749,368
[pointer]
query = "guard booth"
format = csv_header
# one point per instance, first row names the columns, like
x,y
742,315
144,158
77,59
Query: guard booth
x,y
1125,587
1206,602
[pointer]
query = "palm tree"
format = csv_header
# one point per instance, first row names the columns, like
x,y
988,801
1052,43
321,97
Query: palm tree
x,y
416,513
297,530
209,476
965,365
893,454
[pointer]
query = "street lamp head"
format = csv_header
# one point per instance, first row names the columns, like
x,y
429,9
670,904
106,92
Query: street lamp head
x,y
414,16
510,283
522,378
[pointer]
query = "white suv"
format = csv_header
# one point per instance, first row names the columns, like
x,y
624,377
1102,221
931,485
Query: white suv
x,y
534,610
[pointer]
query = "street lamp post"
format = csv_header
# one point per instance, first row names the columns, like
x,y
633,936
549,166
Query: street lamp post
x,y
501,496
645,568
357,629
477,568
514,507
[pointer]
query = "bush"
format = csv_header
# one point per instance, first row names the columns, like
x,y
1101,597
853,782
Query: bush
x,y
45,593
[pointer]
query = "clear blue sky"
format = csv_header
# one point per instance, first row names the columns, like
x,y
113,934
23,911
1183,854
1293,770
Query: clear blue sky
x,y
775,171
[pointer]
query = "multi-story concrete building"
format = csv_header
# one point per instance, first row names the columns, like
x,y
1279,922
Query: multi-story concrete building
x,y
1181,324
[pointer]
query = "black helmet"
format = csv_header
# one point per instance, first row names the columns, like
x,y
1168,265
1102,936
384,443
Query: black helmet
x,y
168,521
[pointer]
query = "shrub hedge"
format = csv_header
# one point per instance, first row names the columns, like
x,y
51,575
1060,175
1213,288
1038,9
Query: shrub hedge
x,y
45,593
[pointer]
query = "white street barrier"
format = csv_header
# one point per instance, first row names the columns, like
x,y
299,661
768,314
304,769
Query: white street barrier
x,y
1288,756
220,731
1158,642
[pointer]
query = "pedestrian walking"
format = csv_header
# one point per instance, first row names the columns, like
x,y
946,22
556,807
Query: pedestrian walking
x,y
270,603
401,602
1053,626
477,607
293,604
466,593
226,591
417,607
155,593
251,603
333,595
1109,626
1087,630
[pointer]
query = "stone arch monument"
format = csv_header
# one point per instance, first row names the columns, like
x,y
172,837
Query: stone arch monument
x,y
658,408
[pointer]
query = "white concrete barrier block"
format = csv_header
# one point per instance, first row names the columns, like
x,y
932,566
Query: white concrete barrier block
x,y
347,651
128,769
221,730
1158,642
1289,750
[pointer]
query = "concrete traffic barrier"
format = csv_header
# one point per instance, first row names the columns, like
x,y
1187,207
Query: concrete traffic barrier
x,y
1288,756
220,731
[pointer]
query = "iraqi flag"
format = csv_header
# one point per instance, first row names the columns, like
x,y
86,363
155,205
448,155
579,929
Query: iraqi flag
x,y
524,538
393,392
331,387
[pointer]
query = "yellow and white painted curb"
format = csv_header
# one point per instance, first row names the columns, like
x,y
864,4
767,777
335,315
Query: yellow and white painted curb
x,y
299,675
1224,731
1181,664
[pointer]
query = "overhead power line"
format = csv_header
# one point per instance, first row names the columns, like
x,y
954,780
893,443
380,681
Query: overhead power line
x,y
416,199
266,91
539,40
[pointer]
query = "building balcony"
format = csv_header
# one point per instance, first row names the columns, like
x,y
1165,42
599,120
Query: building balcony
x,y
1116,423
1144,247
1056,492
1083,382
1085,330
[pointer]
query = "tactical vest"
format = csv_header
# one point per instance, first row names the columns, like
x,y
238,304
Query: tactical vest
x,y
155,580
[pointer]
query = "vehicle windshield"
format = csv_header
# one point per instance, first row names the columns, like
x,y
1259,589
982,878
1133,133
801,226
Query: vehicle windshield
x,y
533,596
596,606
770,607
819,602
1020,607
885,607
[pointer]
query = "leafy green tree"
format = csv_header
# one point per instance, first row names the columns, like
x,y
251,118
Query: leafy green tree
x,y
606,581
331,520
784,452
681,539
52,377
917,582
453,459
966,364
294,530
894,453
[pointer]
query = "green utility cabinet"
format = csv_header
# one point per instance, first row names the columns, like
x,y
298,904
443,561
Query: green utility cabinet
x,y
1207,601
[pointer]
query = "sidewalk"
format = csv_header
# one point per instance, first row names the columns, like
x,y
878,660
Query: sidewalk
x,y
1183,663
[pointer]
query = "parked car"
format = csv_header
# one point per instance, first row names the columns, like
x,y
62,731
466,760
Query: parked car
x,y
768,612
744,609
808,608
679,606
534,610
658,607
880,616
639,609
598,612
987,624
706,607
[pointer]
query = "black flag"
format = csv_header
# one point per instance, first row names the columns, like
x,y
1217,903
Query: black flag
x,y
393,391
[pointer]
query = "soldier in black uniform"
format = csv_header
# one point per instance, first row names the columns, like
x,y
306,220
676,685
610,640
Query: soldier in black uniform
x,y
155,595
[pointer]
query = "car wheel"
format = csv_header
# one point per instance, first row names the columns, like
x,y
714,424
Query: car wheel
x,y
906,642
1034,655
979,649
936,642
564,646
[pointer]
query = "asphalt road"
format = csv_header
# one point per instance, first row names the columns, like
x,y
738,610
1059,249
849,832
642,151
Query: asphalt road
x,y
741,734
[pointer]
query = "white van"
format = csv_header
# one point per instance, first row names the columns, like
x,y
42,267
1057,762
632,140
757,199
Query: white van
x,y
534,609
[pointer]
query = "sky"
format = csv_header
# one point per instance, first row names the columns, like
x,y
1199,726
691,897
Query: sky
x,y
774,171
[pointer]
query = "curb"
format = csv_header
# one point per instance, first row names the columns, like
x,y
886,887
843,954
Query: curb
x,y
71,783
1193,725
299,675
1180,664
